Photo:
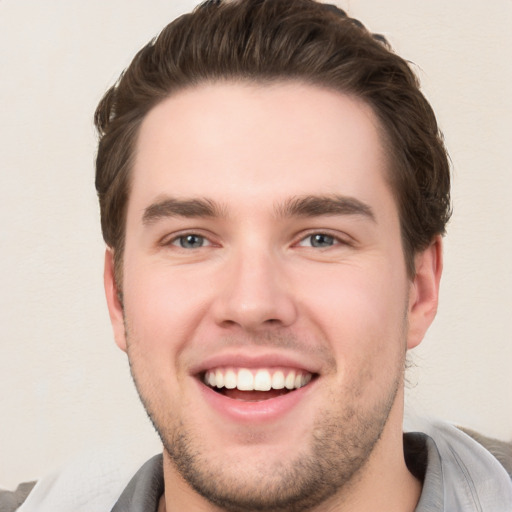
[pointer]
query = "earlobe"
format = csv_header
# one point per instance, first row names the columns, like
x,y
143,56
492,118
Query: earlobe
x,y
424,291
115,307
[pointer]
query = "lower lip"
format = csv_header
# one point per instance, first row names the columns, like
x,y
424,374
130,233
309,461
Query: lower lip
x,y
261,411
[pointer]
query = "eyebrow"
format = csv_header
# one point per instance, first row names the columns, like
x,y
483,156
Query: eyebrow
x,y
302,206
173,207
324,205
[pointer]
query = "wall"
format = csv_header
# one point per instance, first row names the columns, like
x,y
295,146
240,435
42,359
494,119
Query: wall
x,y
64,386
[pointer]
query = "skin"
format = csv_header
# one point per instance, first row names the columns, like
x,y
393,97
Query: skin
x,y
256,284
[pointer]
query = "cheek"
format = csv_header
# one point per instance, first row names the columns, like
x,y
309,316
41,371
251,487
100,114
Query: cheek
x,y
363,320
165,309
161,307
358,308
160,314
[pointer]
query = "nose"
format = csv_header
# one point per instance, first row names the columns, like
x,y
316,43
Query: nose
x,y
255,293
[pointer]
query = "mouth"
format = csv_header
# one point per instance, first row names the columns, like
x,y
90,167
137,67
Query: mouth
x,y
255,384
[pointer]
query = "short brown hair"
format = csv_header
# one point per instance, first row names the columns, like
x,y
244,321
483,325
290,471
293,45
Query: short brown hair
x,y
279,40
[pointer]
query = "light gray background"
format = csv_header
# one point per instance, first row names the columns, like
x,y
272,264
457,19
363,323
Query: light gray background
x,y
64,386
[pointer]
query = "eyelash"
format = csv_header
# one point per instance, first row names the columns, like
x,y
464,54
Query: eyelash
x,y
177,240
318,238
336,239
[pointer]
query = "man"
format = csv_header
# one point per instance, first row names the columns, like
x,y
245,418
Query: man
x,y
273,190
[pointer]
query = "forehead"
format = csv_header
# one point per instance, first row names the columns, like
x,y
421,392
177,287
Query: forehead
x,y
240,143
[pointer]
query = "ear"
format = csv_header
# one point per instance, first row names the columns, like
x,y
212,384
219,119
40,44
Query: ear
x,y
115,307
424,291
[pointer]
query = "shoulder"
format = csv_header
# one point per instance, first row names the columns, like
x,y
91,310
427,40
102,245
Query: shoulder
x,y
500,449
463,470
90,482
11,500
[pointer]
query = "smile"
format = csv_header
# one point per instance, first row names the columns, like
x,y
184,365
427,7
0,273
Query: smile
x,y
255,384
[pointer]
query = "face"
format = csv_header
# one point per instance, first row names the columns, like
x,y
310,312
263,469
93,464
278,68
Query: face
x,y
266,306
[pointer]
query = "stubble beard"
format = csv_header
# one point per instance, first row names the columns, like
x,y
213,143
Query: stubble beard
x,y
342,442
337,456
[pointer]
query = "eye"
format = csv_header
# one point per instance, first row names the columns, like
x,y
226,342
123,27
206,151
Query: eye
x,y
318,240
190,241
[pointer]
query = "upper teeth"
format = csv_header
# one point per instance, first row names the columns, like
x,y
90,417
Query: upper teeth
x,y
256,380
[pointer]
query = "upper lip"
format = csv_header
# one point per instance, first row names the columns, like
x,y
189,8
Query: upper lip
x,y
246,360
